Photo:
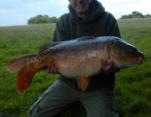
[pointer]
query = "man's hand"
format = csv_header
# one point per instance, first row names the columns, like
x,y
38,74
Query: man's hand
x,y
52,69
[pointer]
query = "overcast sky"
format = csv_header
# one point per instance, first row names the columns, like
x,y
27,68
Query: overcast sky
x,y
17,12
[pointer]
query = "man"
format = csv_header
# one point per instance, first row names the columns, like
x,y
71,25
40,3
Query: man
x,y
85,18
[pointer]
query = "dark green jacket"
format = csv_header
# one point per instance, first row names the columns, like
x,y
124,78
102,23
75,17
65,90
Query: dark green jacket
x,y
97,22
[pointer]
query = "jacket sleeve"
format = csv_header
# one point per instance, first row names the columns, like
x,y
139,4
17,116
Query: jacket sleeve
x,y
60,30
112,28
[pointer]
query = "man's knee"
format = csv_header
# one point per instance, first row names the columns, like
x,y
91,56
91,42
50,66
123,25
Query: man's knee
x,y
32,112
35,112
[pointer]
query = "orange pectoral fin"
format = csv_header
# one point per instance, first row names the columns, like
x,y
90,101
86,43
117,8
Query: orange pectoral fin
x,y
25,78
83,83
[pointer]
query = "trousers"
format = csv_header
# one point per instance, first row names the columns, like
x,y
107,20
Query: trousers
x,y
59,95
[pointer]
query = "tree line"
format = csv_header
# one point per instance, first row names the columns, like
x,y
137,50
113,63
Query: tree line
x,y
135,14
42,19
46,19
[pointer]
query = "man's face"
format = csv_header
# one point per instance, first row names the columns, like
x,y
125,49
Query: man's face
x,y
80,6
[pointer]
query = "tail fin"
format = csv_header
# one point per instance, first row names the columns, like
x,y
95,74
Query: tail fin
x,y
27,66
17,64
25,78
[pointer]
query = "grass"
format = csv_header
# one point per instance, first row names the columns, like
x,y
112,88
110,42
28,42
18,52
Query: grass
x,y
17,41
133,85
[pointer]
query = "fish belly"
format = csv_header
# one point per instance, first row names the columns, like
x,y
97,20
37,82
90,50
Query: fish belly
x,y
77,66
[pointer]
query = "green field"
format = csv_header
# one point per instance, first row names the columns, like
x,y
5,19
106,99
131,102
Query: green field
x,y
133,86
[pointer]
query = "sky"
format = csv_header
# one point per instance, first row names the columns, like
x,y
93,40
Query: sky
x,y
17,12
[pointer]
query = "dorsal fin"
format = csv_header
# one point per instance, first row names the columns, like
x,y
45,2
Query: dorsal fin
x,y
47,45
84,38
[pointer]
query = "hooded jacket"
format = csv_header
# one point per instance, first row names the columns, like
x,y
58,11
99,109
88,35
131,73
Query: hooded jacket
x,y
97,22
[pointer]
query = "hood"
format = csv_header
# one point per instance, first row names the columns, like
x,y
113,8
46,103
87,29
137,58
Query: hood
x,y
95,10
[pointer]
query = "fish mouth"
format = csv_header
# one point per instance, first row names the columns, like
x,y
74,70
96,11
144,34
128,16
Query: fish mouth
x,y
127,65
141,57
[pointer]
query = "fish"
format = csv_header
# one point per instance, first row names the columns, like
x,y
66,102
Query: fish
x,y
77,59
